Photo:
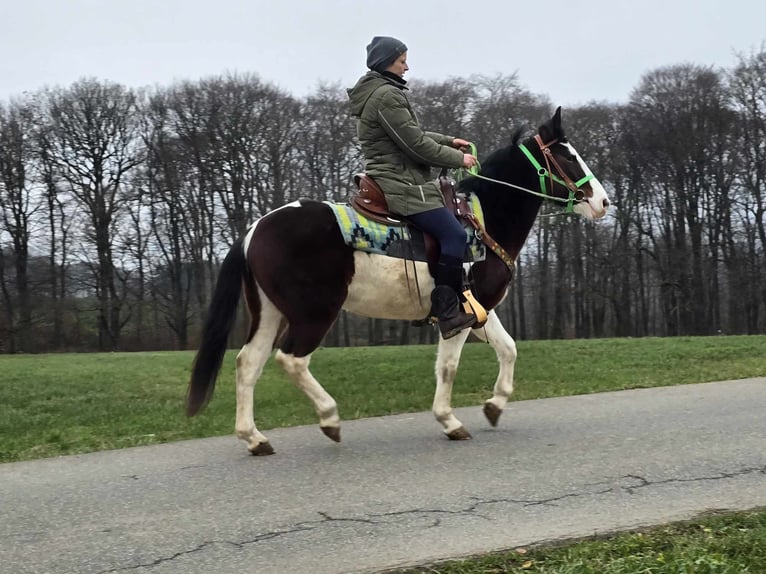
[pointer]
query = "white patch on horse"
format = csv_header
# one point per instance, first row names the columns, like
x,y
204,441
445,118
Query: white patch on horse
x,y
382,288
596,205
249,236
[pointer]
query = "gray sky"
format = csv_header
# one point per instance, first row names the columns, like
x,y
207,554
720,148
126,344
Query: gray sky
x,y
572,50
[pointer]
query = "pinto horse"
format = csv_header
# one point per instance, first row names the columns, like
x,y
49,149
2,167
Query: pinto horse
x,y
297,274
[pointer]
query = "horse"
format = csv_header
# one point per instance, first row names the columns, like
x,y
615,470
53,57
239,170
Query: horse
x,y
297,273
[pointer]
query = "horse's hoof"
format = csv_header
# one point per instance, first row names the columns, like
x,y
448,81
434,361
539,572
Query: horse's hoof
x,y
492,412
332,432
459,434
263,449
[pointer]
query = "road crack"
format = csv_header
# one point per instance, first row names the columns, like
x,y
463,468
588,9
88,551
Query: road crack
x,y
629,483
643,482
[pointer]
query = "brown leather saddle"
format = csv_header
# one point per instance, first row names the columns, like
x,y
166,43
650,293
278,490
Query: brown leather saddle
x,y
370,202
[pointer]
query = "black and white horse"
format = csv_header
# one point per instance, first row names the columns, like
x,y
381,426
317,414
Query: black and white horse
x,y
298,273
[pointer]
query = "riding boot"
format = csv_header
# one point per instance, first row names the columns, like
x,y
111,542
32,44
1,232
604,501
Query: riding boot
x,y
445,301
446,306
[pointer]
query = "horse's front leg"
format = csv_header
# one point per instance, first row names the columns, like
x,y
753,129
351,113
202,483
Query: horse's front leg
x,y
495,334
447,360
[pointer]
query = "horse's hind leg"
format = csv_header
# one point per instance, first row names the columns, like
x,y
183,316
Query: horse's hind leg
x,y
505,347
447,360
250,361
294,355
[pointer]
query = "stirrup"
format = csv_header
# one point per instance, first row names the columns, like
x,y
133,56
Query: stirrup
x,y
472,306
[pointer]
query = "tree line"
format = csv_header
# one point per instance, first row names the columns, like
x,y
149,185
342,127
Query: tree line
x,y
117,204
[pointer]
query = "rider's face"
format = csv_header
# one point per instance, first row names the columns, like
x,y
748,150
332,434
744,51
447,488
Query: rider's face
x,y
399,66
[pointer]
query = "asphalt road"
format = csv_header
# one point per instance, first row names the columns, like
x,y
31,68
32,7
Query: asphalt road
x,y
394,492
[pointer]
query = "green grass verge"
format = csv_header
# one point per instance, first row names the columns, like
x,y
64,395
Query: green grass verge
x,y
729,544
72,403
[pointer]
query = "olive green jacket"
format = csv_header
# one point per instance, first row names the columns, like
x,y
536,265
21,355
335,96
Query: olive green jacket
x,y
398,153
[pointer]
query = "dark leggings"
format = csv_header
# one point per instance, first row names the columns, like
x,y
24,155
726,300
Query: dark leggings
x,y
444,226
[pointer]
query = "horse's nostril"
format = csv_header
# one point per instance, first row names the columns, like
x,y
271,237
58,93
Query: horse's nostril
x,y
606,203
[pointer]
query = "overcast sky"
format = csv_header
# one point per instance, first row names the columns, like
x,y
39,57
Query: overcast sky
x,y
574,51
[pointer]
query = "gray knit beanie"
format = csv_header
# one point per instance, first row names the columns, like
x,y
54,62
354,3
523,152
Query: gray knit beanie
x,y
382,52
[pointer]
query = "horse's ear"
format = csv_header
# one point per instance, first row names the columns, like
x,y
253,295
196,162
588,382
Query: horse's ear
x,y
551,129
556,121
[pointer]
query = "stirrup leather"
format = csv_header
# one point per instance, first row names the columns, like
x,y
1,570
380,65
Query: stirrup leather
x,y
471,305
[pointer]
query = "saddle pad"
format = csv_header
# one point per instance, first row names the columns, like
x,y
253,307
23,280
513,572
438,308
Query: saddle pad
x,y
404,242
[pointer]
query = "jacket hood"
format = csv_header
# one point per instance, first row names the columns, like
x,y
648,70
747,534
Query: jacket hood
x,y
364,88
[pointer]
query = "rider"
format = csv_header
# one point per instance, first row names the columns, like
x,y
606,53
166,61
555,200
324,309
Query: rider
x,y
398,156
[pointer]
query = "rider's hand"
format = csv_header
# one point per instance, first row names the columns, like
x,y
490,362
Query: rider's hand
x,y
469,160
460,142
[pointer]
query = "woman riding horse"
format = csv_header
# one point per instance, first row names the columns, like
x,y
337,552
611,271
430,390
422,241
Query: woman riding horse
x,y
398,156
297,273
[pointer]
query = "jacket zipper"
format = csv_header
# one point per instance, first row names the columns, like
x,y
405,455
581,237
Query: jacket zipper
x,y
422,195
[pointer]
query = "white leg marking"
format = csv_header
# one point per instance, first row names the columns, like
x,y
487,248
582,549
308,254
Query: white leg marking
x,y
297,368
505,347
250,361
447,360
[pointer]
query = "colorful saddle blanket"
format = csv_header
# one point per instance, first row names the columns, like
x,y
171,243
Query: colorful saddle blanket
x,y
402,241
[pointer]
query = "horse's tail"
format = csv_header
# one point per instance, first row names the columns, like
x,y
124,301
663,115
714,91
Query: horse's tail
x,y
215,333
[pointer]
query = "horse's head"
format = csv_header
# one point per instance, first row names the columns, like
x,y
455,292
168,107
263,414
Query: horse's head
x,y
563,173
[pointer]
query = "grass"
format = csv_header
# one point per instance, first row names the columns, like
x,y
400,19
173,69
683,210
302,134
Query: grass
x,y
734,543
72,403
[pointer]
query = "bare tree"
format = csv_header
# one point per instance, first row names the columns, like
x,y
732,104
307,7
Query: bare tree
x,y
58,226
502,106
328,153
445,107
17,206
93,145
746,234
682,122
170,202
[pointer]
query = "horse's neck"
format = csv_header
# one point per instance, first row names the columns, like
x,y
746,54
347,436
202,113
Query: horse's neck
x,y
509,214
